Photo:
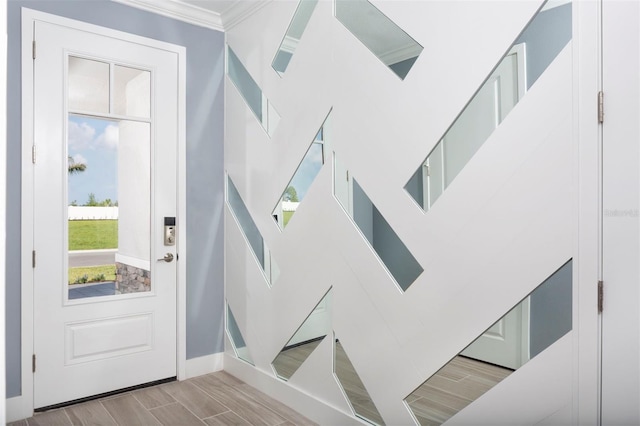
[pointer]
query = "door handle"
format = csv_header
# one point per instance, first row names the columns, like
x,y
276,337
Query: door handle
x,y
167,258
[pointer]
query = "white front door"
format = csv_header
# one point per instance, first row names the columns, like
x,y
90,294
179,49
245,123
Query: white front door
x,y
104,305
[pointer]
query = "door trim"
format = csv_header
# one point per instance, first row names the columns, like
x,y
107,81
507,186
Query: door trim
x,y
29,16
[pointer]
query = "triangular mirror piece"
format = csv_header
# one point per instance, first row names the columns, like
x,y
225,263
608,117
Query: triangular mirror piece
x,y
305,340
353,387
239,344
303,177
533,325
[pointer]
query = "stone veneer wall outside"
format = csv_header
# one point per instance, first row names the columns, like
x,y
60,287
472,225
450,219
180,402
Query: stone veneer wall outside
x,y
130,279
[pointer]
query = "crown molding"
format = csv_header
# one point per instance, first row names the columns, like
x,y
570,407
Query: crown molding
x,y
240,11
408,51
192,14
178,10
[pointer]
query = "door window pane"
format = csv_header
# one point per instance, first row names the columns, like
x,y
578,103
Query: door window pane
x,y
132,92
88,85
108,207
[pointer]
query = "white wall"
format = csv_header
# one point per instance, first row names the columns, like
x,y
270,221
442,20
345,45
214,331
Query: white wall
x,y
134,203
502,227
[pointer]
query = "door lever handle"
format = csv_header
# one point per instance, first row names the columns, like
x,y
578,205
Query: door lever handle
x,y
167,258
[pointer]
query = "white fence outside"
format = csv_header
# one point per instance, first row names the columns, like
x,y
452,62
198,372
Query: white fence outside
x,y
92,213
289,206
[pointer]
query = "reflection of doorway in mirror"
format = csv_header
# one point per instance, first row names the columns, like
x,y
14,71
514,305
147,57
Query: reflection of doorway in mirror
x,y
482,115
506,343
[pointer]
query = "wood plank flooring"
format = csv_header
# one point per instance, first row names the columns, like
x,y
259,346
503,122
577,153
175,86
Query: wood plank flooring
x,y
216,399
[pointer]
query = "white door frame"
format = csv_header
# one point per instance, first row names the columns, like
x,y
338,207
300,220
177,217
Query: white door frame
x,y
25,405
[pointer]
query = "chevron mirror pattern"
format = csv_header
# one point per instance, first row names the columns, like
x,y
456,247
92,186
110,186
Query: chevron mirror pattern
x,y
379,304
354,389
530,327
527,58
390,43
393,254
251,232
307,170
235,335
257,102
294,34
312,331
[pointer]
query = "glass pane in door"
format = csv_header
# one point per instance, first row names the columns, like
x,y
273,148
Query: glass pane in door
x,y
132,92
88,85
108,207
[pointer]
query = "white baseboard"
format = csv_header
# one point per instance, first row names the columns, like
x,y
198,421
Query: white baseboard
x,y
305,404
16,409
204,365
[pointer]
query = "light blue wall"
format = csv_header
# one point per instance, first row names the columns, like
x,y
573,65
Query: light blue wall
x,y
205,172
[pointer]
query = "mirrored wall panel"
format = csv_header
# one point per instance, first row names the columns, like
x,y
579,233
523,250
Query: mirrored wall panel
x,y
252,94
353,387
394,255
303,177
528,329
251,233
238,342
294,34
394,47
312,331
529,56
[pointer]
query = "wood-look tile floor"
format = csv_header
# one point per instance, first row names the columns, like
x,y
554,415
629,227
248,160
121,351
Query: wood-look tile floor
x,y
216,399
455,386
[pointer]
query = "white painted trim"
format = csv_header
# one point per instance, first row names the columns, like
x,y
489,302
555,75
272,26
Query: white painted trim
x,y
587,145
204,365
24,404
240,11
408,51
305,404
195,15
3,197
176,9
28,17
181,240
17,409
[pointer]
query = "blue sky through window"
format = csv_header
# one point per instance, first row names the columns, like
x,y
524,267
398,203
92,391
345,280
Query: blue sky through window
x,y
94,142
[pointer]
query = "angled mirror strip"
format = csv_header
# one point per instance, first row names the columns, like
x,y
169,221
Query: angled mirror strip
x,y
303,177
353,387
308,336
394,47
392,252
239,345
529,328
528,57
294,34
251,93
251,232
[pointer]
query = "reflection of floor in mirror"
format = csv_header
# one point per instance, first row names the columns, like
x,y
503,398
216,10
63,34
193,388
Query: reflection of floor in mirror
x,y
290,359
354,388
452,388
